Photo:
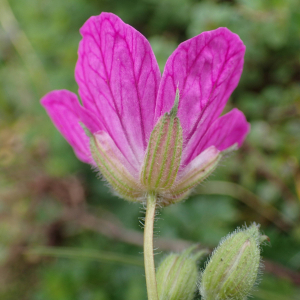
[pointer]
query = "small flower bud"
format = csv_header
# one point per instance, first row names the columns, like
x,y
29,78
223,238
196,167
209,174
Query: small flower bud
x,y
177,275
233,267
163,153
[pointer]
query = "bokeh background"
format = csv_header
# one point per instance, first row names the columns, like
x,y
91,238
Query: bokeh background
x,y
63,235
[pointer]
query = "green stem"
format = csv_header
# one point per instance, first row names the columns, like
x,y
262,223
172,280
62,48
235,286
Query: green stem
x,y
148,248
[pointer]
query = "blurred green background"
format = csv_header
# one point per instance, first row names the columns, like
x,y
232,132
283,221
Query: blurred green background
x,y
50,202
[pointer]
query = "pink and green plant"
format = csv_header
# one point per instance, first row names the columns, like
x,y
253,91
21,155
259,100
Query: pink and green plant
x,y
154,138
124,96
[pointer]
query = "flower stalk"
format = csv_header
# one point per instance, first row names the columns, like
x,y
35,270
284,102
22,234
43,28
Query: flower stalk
x,y
148,248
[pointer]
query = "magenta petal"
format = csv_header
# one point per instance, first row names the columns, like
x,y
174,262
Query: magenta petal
x,y
226,131
118,80
206,69
65,112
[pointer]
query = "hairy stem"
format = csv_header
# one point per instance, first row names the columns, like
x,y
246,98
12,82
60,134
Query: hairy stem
x,y
148,248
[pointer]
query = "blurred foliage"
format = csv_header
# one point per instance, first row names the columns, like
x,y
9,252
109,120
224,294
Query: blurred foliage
x,y
49,198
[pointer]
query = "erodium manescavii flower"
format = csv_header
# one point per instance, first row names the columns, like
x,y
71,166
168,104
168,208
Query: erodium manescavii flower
x,y
149,133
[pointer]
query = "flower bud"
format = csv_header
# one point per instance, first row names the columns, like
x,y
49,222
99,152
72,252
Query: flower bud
x,y
163,153
177,275
233,267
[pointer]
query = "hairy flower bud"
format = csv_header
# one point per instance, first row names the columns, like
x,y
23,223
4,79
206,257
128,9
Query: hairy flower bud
x,y
177,275
163,155
233,267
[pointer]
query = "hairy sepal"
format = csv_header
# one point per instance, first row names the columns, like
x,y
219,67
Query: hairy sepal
x,y
194,173
163,155
112,165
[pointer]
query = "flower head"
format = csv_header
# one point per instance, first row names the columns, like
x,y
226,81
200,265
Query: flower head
x,y
147,132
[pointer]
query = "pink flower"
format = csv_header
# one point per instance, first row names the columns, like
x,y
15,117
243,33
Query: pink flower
x,y
124,97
